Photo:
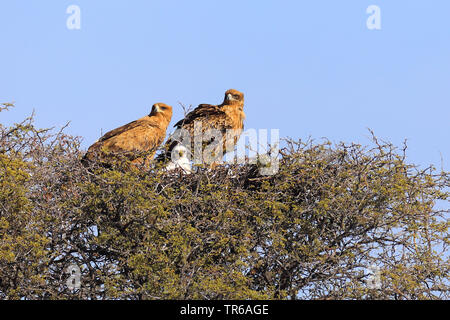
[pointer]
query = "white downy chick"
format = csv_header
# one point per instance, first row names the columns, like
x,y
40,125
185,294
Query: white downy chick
x,y
180,159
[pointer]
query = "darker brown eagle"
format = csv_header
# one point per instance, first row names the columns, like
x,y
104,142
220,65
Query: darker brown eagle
x,y
226,118
137,140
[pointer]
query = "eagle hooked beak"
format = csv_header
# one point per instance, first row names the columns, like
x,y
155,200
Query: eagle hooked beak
x,y
157,108
230,97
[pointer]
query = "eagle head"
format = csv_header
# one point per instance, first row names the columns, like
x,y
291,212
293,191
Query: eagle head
x,y
161,109
234,97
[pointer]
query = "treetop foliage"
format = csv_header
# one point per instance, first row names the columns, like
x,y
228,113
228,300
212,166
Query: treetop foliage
x,y
315,230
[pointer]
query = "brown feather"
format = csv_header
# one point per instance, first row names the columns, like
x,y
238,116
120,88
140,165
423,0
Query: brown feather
x,y
137,140
228,115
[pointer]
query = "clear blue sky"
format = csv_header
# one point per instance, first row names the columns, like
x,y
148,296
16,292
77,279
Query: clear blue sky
x,y
309,68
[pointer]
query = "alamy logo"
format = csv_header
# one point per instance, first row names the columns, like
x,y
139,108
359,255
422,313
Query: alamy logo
x,y
74,20
373,281
374,20
74,280
207,147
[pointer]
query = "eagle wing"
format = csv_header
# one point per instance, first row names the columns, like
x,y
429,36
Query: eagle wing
x,y
122,129
202,112
143,135
218,117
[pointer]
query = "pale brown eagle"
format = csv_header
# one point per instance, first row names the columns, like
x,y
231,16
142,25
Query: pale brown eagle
x,y
137,141
226,118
